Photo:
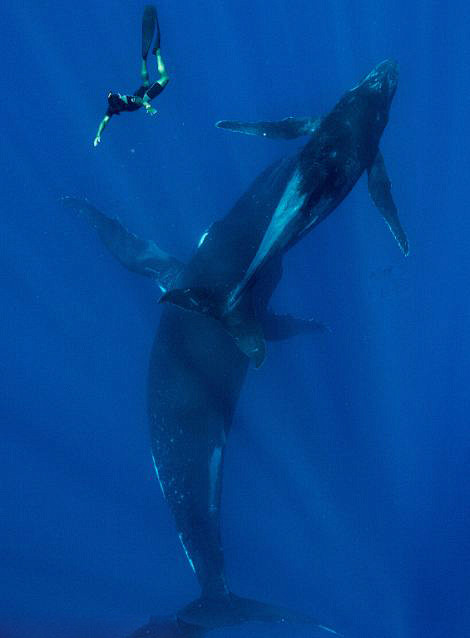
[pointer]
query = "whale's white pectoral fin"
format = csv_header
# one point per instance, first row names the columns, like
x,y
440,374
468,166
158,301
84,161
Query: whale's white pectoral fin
x,y
381,193
288,129
276,235
141,256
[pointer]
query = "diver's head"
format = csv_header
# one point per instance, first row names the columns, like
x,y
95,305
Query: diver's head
x,y
115,102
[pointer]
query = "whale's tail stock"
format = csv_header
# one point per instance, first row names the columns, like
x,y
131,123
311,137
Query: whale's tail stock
x,y
205,614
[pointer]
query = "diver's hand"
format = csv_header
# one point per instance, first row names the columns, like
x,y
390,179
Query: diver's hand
x,y
149,108
97,140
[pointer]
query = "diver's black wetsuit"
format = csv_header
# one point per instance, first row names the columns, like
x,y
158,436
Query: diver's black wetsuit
x,y
129,103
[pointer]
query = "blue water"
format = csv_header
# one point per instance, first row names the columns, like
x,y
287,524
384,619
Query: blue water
x,y
347,489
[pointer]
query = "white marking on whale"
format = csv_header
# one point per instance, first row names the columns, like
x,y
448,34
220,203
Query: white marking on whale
x,y
289,205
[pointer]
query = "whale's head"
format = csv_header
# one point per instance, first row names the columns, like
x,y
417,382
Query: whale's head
x,y
381,83
367,105
378,87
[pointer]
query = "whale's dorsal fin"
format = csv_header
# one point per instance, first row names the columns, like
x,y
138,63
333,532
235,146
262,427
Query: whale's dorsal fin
x,y
138,255
381,193
288,129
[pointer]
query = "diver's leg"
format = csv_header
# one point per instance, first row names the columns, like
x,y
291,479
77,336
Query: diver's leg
x,y
158,86
164,77
149,20
144,73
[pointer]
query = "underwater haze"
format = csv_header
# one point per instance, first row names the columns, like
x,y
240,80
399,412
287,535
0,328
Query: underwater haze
x,y
346,483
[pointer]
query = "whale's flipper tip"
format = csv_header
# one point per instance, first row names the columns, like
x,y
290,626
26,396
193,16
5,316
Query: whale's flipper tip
x,y
381,193
405,247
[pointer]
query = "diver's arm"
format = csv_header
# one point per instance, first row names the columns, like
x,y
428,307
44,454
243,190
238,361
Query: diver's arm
x,y
103,123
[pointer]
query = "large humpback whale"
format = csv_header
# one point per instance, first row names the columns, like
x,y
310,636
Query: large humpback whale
x,y
293,196
199,359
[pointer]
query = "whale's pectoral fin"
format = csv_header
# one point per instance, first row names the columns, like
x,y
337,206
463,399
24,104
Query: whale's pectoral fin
x,y
233,610
241,322
138,255
279,327
380,191
287,129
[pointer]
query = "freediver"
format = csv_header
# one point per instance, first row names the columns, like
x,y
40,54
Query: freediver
x,y
146,92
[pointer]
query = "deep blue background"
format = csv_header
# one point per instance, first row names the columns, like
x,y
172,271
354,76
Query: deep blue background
x,y
347,478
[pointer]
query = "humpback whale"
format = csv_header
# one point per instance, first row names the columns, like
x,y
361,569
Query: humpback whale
x,y
199,359
293,196
196,373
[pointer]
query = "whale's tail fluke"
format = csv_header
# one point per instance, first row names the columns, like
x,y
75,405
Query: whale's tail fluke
x,y
233,610
206,614
168,627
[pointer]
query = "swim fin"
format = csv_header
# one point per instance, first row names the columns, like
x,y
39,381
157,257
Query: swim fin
x,y
149,21
156,44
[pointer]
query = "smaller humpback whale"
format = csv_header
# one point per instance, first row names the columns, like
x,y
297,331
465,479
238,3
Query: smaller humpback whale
x,y
296,194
